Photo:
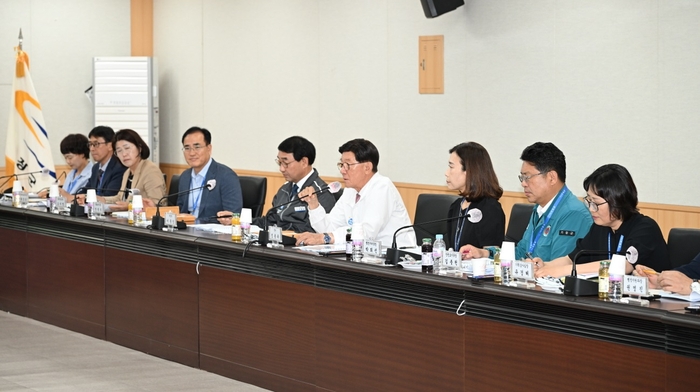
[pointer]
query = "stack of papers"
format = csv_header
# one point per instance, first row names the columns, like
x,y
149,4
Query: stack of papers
x,y
693,297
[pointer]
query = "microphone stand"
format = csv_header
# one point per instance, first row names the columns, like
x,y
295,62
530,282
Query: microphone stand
x,y
393,255
16,176
76,209
575,287
158,222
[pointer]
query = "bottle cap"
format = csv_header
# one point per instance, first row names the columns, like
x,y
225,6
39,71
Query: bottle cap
x,y
246,215
16,186
438,237
507,251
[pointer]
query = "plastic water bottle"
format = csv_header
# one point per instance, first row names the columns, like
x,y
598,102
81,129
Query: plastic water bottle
x,y
358,242
439,248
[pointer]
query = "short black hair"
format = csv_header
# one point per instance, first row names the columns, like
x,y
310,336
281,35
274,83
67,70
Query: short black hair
x,y
364,151
614,183
546,157
75,143
105,132
204,131
299,147
132,137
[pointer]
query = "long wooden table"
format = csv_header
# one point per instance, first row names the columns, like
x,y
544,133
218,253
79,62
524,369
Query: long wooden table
x,y
289,321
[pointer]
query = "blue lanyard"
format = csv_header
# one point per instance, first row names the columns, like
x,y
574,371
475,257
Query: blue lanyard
x,y
72,183
619,245
460,224
195,200
534,239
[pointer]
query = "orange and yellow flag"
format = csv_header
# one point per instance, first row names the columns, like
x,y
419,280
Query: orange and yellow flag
x,y
27,152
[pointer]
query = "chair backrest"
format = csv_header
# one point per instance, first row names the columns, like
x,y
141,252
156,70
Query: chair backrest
x,y
338,194
683,245
430,207
254,192
517,223
174,186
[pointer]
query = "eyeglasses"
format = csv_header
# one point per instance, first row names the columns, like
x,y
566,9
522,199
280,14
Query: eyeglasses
x,y
95,144
284,164
125,150
194,148
523,178
593,206
346,166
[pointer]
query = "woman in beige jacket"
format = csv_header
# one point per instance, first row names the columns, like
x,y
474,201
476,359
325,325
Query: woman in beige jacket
x,y
140,173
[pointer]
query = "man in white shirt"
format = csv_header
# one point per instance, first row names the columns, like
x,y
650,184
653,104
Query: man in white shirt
x,y
369,198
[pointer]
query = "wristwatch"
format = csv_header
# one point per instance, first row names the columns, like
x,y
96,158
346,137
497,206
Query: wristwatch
x,y
695,286
326,238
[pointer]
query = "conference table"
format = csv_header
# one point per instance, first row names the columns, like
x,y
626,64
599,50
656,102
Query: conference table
x,y
292,321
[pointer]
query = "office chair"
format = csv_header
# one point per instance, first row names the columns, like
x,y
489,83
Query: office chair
x,y
254,192
517,223
431,207
683,245
174,186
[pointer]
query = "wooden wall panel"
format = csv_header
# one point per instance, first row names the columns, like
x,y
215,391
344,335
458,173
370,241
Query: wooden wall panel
x,y
546,361
13,275
66,284
257,330
365,344
142,28
152,305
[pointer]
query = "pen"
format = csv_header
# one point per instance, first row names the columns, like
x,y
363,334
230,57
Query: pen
x,y
223,216
650,271
529,255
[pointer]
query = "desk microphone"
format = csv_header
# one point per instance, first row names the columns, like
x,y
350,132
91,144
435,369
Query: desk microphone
x,y
573,286
63,174
333,187
393,254
158,222
16,176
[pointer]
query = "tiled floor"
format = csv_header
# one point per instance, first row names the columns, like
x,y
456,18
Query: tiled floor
x,y
39,357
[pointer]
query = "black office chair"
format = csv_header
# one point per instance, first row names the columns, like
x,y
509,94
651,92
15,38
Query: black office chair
x,y
430,207
254,193
174,186
683,245
337,195
517,223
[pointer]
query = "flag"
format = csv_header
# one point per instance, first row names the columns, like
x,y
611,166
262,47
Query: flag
x,y
27,150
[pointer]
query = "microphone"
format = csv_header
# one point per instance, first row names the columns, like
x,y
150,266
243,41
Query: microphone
x,y
393,255
333,187
16,176
158,222
63,174
573,286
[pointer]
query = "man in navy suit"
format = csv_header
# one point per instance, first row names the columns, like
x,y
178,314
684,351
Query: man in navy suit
x,y
107,172
204,203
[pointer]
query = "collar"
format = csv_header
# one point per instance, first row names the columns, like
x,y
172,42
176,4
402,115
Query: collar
x,y
541,210
104,167
303,180
368,186
203,173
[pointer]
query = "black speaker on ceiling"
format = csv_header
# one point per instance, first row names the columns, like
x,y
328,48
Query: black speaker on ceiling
x,y
433,8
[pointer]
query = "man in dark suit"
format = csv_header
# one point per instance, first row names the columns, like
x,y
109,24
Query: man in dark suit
x,y
203,203
107,172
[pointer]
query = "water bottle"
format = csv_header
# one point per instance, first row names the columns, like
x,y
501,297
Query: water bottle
x,y
358,242
439,248
615,289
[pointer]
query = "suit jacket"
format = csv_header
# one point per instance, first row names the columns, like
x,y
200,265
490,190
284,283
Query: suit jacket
x,y
148,179
226,195
111,179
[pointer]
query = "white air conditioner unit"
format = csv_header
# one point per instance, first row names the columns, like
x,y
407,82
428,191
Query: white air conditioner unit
x,y
126,96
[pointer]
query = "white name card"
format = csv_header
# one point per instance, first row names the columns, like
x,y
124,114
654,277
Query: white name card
x,y
275,234
60,203
372,248
170,219
635,285
452,259
98,208
523,270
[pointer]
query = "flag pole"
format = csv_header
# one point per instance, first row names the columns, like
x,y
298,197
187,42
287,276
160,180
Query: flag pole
x,y
20,39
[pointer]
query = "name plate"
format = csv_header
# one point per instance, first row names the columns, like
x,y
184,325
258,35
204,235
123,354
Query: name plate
x,y
523,270
23,199
98,208
635,285
170,219
60,203
274,234
452,259
372,248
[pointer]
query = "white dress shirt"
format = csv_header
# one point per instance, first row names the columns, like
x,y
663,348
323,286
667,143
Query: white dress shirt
x,y
380,210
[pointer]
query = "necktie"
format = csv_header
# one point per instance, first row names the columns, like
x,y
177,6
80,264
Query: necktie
x,y
99,177
295,190
357,198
